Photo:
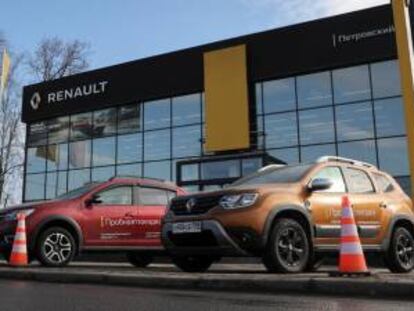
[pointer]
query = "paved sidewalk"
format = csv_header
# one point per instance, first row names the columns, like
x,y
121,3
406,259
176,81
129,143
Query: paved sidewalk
x,y
226,277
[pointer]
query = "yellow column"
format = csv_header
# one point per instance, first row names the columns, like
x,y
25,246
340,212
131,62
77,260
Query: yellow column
x,y
405,56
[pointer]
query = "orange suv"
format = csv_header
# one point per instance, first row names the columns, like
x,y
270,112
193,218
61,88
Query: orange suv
x,y
290,217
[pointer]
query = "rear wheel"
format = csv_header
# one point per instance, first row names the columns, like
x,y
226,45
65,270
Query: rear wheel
x,y
139,260
400,255
56,247
288,249
193,263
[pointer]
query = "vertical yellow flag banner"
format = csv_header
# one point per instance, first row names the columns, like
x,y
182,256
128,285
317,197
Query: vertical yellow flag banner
x,y
5,69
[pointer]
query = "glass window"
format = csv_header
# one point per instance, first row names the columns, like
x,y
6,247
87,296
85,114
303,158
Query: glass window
x,y
351,84
57,157
281,130
157,145
37,134
289,156
186,109
129,148
104,122
80,154
333,174
358,181
157,114
116,196
316,126
220,169
51,185
78,178
259,98
35,187
81,126
161,170
384,184
129,170
312,153
314,90
129,118
36,159
103,151
359,150
251,165
186,141
103,173
393,157
58,129
279,95
389,117
62,183
354,122
386,79
152,197
189,172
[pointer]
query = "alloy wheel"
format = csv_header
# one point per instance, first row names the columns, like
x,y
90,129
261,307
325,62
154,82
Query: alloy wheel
x,y
291,247
57,248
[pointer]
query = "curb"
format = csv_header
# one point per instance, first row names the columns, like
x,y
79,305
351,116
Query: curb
x,y
371,287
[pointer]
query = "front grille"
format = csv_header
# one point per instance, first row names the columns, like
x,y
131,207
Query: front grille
x,y
201,205
202,239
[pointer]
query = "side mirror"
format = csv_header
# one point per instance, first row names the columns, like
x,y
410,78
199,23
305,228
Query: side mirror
x,y
320,184
93,200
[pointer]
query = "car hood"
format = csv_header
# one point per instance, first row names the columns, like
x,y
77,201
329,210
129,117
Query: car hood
x,y
30,205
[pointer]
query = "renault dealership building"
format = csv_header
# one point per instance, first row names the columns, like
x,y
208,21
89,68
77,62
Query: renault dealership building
x,y
207,115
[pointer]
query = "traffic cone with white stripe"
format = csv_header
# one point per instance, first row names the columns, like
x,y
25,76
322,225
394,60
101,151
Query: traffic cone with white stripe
x,y
352,259
18,257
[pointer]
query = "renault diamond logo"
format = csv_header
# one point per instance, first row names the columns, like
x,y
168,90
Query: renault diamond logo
x,y
35,101
190,204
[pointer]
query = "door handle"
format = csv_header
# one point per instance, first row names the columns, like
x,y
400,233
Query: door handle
x,y
129,215
383,205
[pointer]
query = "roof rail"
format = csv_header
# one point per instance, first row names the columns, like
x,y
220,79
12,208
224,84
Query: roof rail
x,y
264,168
344,160
135,176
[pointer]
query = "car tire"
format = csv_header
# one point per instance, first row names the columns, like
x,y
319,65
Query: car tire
x,y
288,249
139,260
55,247
193,263
400,255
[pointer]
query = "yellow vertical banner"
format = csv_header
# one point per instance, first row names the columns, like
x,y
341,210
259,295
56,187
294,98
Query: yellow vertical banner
x,y
5,70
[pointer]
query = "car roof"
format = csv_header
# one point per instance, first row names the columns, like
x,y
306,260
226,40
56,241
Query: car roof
x,y
152,182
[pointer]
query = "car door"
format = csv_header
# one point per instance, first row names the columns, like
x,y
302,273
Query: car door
x,y
152,207
366,203
111,220
325,207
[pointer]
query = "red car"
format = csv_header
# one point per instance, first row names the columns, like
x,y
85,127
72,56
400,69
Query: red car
x,y
121,214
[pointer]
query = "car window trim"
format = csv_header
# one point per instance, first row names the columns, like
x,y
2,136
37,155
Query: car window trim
x,y
151,187
110,187
342,175
373,185
386,178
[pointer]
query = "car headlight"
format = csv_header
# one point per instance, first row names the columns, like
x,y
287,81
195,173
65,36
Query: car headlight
x,y
238,200
12,216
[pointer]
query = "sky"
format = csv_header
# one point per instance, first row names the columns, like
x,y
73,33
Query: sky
x,y
123,30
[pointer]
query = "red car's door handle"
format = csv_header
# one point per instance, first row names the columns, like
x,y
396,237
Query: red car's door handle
x,y
129,215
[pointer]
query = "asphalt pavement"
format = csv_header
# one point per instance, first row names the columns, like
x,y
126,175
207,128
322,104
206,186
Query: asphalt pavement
x,y
33,296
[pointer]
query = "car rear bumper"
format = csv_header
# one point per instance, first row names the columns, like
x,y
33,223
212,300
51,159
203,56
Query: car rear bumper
x,y
212,240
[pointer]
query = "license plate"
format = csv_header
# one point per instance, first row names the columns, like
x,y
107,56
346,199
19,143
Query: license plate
x,y
186,227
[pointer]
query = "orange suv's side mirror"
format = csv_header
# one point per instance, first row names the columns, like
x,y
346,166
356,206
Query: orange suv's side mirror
x,y
319,184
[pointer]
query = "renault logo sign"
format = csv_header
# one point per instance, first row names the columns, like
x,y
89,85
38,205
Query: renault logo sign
x,y
190,204
35,101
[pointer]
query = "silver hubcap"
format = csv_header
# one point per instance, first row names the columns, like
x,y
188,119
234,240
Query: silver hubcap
x,y
57,248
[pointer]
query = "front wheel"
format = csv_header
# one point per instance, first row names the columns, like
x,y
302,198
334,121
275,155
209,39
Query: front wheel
x,y
193,263
288,249
139,260
400,255
56,247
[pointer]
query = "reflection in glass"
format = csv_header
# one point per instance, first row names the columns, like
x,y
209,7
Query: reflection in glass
x,y
222,169
58,129
80,154
186,141
259,98
51,185
36,159
129,148
251,165
129,170
157,145
359,150
157,114
405,184
354,121
129,118
389,117
35,187
57,157
78,178
161,170
393,157
314,90
103,151
62,183
312,153
279,95
104,122
186,109
37,134
189,172
81,126
386,79
103,173
316,126
281,130
289,156
351,84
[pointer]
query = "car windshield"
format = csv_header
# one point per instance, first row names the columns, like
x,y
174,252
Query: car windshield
x,y
285,174
75,193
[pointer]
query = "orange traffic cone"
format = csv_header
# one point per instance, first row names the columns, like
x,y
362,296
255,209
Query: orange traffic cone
x,y
352,259
18,257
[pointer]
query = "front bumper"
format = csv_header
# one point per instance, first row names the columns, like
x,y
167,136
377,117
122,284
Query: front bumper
x,y
212,240
7,232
